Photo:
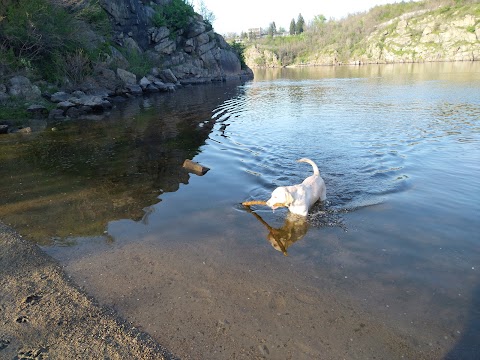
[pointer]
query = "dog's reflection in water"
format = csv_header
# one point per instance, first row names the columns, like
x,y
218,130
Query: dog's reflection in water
x,y
293,229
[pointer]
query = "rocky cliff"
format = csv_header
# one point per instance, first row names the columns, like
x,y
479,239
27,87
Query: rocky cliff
x,y
257,57
193,53
442,34
425,37
141,52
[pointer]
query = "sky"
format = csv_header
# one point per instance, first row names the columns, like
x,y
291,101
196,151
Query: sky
x,y
242,15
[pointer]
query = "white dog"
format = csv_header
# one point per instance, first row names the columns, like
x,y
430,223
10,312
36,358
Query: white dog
x,y
299,198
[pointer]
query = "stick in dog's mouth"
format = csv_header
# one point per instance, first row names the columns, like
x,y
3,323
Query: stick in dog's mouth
x,y
261,202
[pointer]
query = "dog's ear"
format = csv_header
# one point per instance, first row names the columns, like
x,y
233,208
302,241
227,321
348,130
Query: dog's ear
x,y
288,198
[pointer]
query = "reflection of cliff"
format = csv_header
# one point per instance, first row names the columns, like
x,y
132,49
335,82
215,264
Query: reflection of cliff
x,y
293,229
74,180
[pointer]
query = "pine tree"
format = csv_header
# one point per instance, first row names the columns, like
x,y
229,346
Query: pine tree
x,y
300,24
272,29
293,27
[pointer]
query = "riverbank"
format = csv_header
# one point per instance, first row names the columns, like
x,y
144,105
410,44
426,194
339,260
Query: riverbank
x,y
414,32
86,101
104,53
45,315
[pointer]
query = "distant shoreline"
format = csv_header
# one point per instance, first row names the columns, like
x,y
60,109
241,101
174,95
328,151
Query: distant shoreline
x,y
360,63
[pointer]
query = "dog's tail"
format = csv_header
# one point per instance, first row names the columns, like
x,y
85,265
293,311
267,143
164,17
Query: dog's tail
x,y
308,161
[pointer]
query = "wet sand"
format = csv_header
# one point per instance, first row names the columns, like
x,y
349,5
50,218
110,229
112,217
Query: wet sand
x,y
208,299
43,314
185,297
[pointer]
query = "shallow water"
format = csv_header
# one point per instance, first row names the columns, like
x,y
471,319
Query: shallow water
x,y
387,267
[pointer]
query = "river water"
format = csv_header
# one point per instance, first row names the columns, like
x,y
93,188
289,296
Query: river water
x,y
388,267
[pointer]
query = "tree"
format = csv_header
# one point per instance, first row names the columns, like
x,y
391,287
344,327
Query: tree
x,y
272,29
319,20
230,35
208,16
293,27
300,27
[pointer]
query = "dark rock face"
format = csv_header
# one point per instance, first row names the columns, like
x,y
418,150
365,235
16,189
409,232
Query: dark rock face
x,y
189,56
129,17
191,53
229,62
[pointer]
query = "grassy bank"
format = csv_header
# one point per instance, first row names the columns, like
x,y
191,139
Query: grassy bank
x,y
45,41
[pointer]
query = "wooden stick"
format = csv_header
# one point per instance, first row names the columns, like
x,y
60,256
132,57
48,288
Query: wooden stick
x,y
254,202
260,202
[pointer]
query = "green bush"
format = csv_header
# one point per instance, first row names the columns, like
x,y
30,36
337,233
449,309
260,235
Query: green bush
x,y
158,18
444,9
96,16
175,15
35,27
15,111
139,63
239,49
260,61
38,37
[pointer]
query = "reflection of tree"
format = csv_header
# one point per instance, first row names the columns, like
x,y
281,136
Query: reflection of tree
x,y
73,181
293,229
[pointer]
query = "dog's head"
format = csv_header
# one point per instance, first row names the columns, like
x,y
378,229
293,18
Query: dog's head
x,y
280,196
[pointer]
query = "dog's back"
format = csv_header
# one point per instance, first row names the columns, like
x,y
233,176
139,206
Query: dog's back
x,y
314,183
299,198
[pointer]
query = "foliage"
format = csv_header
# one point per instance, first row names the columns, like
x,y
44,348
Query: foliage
x,y
158,19
239,48
293,27
14,111
208,16
272,29
77,66
94,15
34,27
139,63
319,20
42,39
345,38
299,27
174,15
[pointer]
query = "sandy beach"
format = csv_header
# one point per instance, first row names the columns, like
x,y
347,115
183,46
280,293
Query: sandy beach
x,y
43,314
46,315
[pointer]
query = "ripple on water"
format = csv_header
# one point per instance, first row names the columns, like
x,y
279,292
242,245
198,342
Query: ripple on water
x,y
363,143
377,140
